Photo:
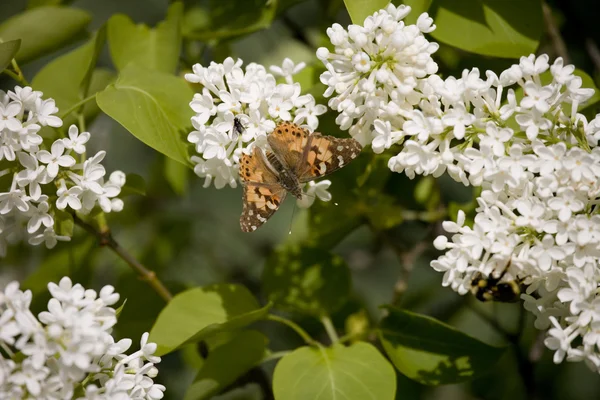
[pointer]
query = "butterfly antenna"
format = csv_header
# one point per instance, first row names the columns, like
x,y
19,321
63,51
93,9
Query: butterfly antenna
x,y
292,219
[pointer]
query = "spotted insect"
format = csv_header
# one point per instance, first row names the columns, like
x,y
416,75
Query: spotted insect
x,y
297,157
489,288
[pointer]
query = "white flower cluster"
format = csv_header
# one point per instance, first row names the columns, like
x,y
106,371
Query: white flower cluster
x,y
536,160
42,178
377,73
237,109
518,136
68,351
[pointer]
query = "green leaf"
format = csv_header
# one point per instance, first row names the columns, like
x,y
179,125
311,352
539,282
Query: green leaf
x,y
431,352
200,312
306,279
134,184
153,106
226,363
70,78
177,176
498,28
7,52
357,372
156,49
43,29
220,20
361,9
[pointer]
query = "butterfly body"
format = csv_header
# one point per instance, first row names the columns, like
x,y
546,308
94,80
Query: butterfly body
x,y
297,157
287,179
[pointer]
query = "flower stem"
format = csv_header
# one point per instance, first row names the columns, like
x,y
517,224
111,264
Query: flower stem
x,y
105,238
76,106
330,329
17,74
554,33
295,327
274,356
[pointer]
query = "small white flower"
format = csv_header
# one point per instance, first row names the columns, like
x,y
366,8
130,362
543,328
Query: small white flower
x,y
76,140
68,197
55,158
15,198
39,216
49,237
8,116
43,112
287,70
315,189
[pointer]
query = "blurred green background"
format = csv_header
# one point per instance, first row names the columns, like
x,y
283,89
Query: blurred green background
x,y
190,235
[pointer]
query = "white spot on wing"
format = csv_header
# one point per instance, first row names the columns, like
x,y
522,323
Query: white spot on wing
x,y
322,167
341,160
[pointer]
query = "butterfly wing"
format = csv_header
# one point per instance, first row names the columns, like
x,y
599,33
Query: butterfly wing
x,y
262,192
326,154
288,142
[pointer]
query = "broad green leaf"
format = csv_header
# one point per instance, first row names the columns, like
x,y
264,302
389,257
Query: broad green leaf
x,y
226,363
361,9
356,372
134,184
7,52
153,106
306,279
498,28
431,352
156,48
200,312
43,29
177,175
72,77
220,20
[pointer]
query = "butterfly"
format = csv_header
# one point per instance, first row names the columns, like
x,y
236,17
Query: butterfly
x,y
297,157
